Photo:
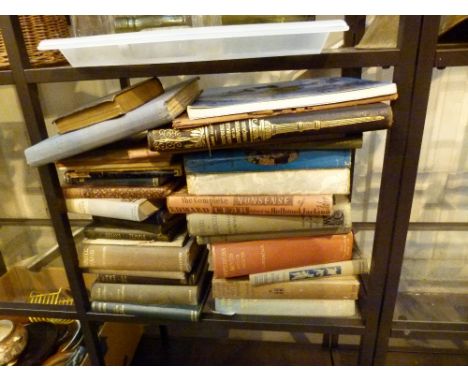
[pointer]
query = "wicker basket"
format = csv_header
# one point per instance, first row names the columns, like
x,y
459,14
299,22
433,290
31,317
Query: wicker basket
x,y
35,29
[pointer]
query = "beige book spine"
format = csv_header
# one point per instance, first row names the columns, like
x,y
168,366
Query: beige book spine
x,y
291,307
340,268
145,294
340,287
138,258
173,275
228,224
127,209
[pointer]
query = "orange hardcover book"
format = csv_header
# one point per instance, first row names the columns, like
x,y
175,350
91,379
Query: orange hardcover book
x,y
243,258
292,205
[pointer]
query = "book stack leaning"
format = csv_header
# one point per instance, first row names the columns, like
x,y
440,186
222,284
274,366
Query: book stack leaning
x,y
144,261
268,175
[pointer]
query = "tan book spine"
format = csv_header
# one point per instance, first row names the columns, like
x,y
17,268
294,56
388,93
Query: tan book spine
x,y
146,294
340,268
200,224
122,192
138,258
346,288
303,205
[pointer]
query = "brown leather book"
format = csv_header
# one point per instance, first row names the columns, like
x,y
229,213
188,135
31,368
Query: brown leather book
x,y
243,258
122,192
298,126
110,106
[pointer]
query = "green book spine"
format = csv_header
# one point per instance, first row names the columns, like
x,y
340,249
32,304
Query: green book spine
x,y
163,312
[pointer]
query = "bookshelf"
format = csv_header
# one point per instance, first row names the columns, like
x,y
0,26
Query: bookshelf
x,y
412,61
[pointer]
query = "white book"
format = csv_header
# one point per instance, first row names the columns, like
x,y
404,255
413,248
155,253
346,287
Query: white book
x,y
228,100
224,224
289,182
127,209
297,307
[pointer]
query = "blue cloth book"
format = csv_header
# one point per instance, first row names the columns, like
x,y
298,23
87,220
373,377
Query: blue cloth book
x,y
271,160
217,102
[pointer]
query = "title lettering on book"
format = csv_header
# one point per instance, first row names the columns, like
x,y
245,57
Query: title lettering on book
x,y
315,272
276,200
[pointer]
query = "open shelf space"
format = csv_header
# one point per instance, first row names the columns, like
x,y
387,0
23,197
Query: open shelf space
x,y
431,315
337,58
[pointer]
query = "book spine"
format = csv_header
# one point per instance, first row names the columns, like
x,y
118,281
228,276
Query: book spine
x,y
287,182
125,210
293,307
345,288
145,294
302,205
103,233
183,313
128,279
203,240
136,258
254,130
117,192
268,160
126,182
160,217
243,258
172,275
342,268
228,224
124,174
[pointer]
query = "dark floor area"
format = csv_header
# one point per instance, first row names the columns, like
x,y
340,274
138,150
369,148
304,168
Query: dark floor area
x,y
211,352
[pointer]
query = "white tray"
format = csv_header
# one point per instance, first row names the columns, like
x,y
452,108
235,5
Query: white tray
x,y
168,45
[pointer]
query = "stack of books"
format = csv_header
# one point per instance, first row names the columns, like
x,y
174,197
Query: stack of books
x,y
269,191
292,212
267,182
145,262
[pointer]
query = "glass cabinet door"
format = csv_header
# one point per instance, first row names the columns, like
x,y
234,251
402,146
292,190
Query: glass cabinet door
x,y
434,279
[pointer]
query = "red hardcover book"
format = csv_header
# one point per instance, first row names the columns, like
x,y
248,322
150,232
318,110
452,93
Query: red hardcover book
x,y
243,258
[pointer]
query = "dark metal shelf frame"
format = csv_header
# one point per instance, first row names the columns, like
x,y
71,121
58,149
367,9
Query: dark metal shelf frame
x,y
416,48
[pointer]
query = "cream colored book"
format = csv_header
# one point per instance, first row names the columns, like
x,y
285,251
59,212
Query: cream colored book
x,y
288,182
325,288
293,307
340,268
127,209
